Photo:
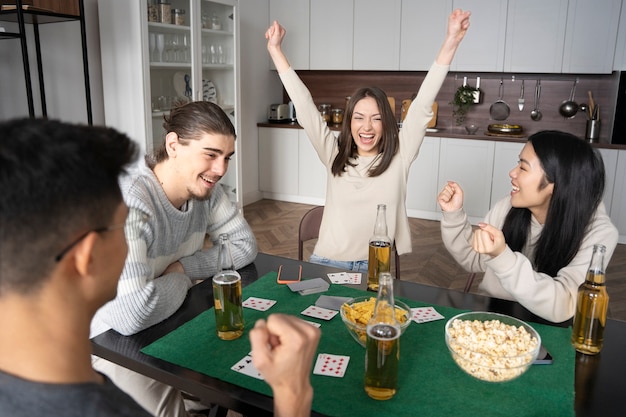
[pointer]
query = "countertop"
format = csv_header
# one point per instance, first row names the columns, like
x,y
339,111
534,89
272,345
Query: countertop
x,y
449,132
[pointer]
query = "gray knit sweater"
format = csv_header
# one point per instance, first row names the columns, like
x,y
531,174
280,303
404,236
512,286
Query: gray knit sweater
x,y
145,296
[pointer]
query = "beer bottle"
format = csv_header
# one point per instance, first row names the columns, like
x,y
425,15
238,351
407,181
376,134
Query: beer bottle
x,y
379,257
227,294
591,307
382,346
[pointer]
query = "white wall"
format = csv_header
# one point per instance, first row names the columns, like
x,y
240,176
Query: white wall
x,y
61,55
259,88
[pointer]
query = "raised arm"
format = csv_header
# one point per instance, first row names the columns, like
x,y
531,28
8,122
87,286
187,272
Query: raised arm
x,y
458,23
275,35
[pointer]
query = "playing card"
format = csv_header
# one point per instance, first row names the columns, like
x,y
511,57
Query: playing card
x,y
331,302
314,324
261,304
331,365
246,367
319,312
425,314
339,278
354,277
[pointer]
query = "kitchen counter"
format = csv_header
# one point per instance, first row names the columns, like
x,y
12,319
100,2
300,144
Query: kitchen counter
x,y
456,132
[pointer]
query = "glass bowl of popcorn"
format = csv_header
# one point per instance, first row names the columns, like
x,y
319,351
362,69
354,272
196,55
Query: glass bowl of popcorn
x,y
490,346
356,312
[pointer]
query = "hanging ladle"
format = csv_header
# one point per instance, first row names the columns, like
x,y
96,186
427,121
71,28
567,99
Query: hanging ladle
x,y
569,108
535,114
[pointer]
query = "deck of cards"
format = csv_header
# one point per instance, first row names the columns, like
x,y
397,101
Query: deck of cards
x,y
309,286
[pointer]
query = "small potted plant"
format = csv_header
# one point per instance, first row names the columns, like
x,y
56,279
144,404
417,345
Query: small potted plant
x,y
464,97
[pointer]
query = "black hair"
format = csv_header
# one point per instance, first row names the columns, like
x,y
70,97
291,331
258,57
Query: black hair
x,y
57,180
577,172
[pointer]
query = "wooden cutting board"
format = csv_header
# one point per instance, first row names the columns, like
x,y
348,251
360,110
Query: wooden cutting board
x,y
405,108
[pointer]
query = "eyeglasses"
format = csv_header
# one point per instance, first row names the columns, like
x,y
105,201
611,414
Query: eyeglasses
x,y
135,218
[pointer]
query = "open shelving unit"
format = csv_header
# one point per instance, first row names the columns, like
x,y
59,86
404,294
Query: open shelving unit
x,y
24,15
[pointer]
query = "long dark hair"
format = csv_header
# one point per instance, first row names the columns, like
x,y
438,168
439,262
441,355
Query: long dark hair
x,y
577,173
191,121
389,142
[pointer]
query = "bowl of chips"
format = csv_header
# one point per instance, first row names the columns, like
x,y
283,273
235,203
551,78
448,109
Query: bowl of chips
x,y
356,312
492,347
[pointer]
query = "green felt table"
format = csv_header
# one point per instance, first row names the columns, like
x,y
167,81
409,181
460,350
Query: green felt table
x,y
430,383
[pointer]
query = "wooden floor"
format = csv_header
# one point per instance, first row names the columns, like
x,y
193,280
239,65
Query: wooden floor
x,y
275,225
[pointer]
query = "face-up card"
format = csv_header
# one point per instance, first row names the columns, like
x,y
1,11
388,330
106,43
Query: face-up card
x,y
339,278
425,314
331,302
354,277
331,365
312,323
261,304
246,367
319,312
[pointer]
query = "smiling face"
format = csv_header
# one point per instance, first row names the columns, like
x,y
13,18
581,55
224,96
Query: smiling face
x,y
530,189
366,126
195,166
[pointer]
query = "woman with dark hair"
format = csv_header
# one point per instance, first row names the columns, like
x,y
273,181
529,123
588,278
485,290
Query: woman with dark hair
x,y
368,164
535,246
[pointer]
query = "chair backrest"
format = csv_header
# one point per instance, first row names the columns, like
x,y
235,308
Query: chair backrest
x,y
309,227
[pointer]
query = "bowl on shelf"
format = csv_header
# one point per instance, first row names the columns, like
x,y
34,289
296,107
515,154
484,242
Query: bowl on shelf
x,y
471,129
356,312
490,346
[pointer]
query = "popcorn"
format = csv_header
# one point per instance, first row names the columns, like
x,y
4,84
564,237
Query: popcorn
x,y
491,350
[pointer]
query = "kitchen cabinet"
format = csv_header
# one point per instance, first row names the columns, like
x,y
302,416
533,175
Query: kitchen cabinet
x,y
278,162
618,204
590,36
619,62
376,35
482,49
311,172
470,164
289,168
506,155
297,26
422,191
149,67
535,35
331,39
422,30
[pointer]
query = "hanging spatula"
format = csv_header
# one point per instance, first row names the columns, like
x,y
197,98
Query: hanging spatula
x,y
520,100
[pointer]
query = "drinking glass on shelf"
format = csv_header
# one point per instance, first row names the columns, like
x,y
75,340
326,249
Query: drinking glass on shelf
x,y
220,55
213,55
160,44
170,51
186,48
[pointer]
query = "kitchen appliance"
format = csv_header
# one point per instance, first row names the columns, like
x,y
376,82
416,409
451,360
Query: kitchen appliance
x,y
280,113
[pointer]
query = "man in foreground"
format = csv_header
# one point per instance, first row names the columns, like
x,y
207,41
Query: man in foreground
x,y
62,249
